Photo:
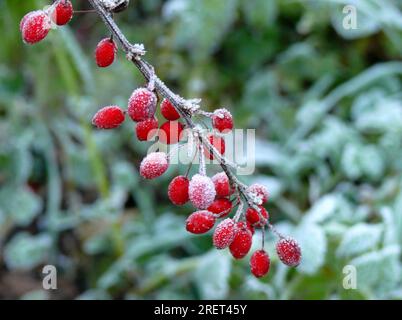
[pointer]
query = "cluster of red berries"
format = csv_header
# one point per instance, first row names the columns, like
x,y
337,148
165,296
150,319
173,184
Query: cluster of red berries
x,y
35,25
213,198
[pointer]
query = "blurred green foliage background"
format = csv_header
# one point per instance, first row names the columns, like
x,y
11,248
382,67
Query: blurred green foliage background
x,y
327,106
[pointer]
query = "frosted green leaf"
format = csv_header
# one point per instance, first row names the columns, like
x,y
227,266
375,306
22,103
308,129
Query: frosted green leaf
x,y
212,275
26,252
366,21
360,238
313,244
21,205
323,209
379,268
200,25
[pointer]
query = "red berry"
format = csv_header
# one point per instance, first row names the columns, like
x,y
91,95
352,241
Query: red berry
x,y
246,224
201,191
222,120
108,117
105,52
224,234
170,132
142,104
219,145
35,26
154,165
25,18
260,191
200,222
169,111
289,252
178,190
146,129
259,263
62,13
242,241
250,227
222,185
253,217
221,207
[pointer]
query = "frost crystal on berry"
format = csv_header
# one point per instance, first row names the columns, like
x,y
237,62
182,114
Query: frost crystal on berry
x,y
224,234
62,13
105,52
222,120
35,26
253,217
242,241
289,252
169,111
142,104
108,117
178,190
259,263
222,185
154,165
221,207
259,191
200,222
170,132
201,191
147,129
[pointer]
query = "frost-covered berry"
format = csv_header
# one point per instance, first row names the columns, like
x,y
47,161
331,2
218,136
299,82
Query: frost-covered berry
x,y
105,52
253,217
219,145
260,191
259,263
169,111
62,12
108,117
142,104
222,120
178,190
201,191
154,165
221,207
222,185
242,241
35,26
200,222
147,129
289,252
224,234
246,224
170,132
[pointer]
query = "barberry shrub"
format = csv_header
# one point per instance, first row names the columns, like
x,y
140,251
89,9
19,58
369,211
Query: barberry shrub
x,y
213,198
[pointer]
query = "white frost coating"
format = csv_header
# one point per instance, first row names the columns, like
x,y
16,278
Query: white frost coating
x,y
224,234
142,104
154,165
222,113
258,193
201,191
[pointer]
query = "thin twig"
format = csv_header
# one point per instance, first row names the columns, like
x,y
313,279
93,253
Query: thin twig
x,y
134,53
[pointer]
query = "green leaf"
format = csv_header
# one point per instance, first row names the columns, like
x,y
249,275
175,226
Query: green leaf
x,y
200,25
378,269
360,238
260,13
25,251
313,244
212,275
21,205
